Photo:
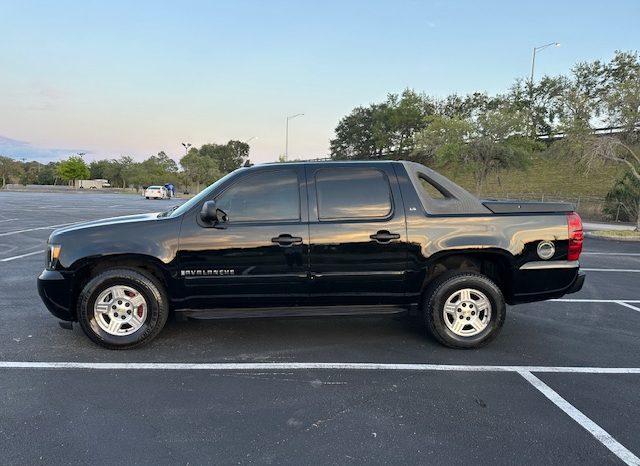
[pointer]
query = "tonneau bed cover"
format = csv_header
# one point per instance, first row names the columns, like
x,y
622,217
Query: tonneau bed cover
x,y
527,207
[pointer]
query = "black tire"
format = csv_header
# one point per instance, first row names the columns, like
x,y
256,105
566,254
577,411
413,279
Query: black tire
x,y
446,285
147,197
147,285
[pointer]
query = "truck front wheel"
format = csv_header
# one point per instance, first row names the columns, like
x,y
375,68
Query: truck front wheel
x,y
122,308
464,309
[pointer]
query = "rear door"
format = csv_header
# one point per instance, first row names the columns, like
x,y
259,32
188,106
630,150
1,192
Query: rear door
x,y
358,249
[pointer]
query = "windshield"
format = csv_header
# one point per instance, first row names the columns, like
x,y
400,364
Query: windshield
x,y
199,197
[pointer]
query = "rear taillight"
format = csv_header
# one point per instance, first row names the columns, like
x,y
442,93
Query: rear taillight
x,y
576,236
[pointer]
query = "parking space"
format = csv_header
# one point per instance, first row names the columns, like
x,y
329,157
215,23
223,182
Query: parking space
x,y
457,406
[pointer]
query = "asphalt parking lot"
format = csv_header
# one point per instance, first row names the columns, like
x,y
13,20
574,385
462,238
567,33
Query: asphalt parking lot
x,y
561,384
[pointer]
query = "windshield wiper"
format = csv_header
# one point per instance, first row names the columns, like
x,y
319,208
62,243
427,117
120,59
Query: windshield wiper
x,y
168,212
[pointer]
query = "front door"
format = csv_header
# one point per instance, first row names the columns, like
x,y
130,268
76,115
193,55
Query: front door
x,y
259,256
358,248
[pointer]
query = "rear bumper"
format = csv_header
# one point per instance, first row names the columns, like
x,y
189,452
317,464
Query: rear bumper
x,y
577,284
538,284
55,291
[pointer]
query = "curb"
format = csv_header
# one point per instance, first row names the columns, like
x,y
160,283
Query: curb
x,y
610,238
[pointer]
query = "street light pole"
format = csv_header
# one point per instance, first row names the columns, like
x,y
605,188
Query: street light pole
x,y
286,144
186,147
533,67
533,60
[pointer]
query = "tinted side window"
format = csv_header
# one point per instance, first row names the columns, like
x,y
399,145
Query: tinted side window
x,y
266,196
352,193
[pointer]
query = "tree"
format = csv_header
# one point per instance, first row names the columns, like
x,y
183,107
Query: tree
x,y
623,200
30,172
72,169
603,149
100,169
487,143
199,168
227,157
48,174
622,97
383,130
8,168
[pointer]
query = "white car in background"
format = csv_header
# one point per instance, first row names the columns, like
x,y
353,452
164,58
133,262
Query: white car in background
x,y
156,192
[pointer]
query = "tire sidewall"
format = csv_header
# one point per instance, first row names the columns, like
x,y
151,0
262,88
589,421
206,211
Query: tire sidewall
x,y
449,286
134,280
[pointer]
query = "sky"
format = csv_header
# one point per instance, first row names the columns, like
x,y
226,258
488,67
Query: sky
x,y
113,78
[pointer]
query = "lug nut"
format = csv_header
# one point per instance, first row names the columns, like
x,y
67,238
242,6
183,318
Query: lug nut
x,y
119,302
124,317
115,314
127,304
468,318
473,313
113,307
129,311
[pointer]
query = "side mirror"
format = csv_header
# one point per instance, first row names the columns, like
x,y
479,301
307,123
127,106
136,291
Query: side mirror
x,y
209,212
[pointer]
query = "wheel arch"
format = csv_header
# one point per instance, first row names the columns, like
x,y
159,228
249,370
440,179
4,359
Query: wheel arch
x,y
88,268
494,263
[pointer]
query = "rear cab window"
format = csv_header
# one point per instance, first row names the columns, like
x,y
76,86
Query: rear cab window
x,y
354,193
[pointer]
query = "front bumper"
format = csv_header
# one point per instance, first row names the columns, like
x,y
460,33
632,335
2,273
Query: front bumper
x,y
55,291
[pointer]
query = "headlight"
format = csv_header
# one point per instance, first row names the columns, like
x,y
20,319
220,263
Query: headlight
x,y
53,255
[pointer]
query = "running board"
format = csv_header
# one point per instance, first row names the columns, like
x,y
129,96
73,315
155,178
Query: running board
x,y
295,311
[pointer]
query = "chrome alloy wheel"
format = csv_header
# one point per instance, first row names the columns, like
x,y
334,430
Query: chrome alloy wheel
x,y
120,310
467,312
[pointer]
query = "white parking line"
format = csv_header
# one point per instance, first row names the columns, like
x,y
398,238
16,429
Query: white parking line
x,y
251,366
49,227
574,413
7,259
617,301
622,303
610,254
609,270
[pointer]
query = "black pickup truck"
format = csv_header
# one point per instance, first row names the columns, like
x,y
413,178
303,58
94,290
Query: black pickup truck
x,y
325,238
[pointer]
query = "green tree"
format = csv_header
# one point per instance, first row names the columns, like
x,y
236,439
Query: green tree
x,y
622,97
48,174
99,169
30,172
227,157
9,169
383,130
623,200
199,168
491,141
612,149
72,169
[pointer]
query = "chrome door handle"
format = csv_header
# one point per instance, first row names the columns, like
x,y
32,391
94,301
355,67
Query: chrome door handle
x,y
383,236
286,240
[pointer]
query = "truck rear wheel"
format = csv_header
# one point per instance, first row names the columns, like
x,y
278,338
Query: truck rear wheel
x,y
464,309
122,308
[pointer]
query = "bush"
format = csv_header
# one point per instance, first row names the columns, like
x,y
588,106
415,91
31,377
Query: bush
x,y
621,202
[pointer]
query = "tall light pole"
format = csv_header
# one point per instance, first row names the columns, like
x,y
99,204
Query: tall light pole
x,y
186,146
250,139
286,144
533,67
533,60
